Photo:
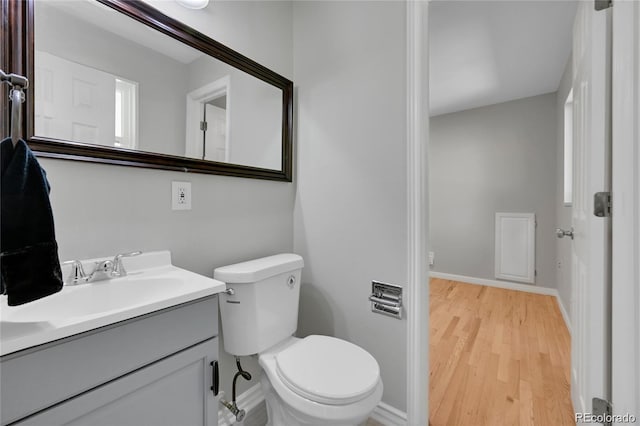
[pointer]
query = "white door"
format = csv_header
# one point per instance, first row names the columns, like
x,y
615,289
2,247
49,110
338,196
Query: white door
x,y
215,139
591,301
73,101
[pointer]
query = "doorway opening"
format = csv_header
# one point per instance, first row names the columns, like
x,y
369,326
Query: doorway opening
x,y
209,121
500,77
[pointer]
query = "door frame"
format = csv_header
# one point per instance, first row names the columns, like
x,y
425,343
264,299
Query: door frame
x,y
625,72
195,99
417,133
625,210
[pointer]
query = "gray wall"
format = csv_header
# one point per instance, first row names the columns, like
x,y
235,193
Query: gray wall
x,y
351,207
563,213
101,210
498,158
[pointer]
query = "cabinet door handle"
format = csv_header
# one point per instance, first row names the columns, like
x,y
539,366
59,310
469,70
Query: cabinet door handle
x,y
215,378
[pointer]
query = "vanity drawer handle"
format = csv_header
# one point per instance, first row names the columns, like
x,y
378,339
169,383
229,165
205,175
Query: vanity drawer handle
x,y
215,378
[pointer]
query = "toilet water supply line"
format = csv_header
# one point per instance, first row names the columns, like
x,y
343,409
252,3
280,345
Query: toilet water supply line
x,y
232,406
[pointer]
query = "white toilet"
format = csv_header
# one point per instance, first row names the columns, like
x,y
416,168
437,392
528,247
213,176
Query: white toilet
x,y
317,380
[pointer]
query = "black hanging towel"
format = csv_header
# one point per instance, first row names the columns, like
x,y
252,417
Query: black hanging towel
x,y
29,264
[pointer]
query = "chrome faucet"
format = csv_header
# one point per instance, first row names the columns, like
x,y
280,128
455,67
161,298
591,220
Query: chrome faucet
x,y
118,268
102,270
77,274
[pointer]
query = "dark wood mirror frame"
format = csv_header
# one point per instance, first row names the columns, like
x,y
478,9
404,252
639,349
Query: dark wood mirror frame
x,y
17,56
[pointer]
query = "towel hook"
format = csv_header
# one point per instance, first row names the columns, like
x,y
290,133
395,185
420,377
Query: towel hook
x,y
18,83
17,98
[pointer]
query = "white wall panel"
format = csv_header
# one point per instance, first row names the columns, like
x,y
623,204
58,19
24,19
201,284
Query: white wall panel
x,y
515,247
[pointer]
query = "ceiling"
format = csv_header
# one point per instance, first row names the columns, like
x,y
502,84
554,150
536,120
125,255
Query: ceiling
x,y
487,52
122,26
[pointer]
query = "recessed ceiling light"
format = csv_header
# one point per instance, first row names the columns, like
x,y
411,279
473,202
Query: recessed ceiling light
x,y
193,4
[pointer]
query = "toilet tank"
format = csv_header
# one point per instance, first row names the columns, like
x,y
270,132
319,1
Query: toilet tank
x,y
263,309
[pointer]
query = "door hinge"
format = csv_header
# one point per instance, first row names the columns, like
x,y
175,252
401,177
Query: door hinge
x,y
602,204
602,408
203,126
602,4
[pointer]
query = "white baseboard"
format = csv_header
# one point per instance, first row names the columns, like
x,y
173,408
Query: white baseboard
x,y
565,314
529,288
253,397
388,415
509,285
247,400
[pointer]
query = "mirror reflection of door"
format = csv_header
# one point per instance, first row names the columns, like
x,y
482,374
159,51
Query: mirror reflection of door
x,y
84,104
208,121
73,101
214,128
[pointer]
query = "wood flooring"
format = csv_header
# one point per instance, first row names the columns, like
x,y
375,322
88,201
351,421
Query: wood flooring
x,y
497,357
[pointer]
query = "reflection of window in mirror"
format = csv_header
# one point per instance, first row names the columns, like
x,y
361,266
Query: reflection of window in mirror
x,y
126,111
568,150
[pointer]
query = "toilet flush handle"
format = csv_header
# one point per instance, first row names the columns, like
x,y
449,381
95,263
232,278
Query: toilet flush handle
x,y
230,291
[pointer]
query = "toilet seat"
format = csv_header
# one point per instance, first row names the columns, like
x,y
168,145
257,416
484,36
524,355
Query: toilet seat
x,y
328,370
303,407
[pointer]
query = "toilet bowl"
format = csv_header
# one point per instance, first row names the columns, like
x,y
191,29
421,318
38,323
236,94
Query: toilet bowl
x,y
316,380
319,380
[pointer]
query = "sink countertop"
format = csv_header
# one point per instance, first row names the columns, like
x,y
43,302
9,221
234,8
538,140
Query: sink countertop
x,y
152,284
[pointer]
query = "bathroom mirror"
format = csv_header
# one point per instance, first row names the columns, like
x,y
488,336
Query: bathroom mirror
x,y
116,81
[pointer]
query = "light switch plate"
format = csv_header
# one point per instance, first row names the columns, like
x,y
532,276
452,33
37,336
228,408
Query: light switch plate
x,y
180,195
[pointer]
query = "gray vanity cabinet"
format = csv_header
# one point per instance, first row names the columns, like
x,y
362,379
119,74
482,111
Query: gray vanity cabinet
x,y
151,370
172,392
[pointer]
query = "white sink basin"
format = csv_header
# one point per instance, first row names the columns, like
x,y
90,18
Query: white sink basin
x,y
152,284
92,299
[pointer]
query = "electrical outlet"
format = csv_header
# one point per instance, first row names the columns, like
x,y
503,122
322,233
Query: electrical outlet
x,y
180,195
432,256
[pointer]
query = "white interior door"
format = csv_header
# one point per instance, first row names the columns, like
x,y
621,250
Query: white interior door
x,y
591,304
73,101
215,139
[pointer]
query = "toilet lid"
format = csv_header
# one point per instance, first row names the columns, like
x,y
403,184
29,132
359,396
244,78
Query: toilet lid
x,y
328,370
